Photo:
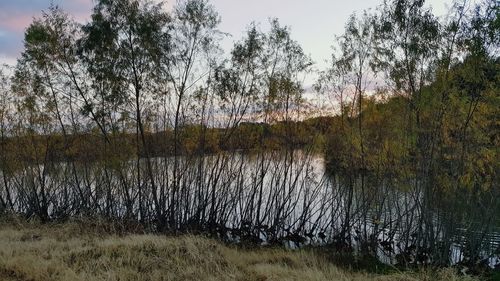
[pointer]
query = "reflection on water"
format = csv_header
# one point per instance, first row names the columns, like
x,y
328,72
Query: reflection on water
x,y
267,198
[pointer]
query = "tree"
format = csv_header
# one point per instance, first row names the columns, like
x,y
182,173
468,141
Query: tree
x,y
193,36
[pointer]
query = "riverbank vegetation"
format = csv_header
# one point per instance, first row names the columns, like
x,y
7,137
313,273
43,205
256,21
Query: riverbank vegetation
x,y
90,251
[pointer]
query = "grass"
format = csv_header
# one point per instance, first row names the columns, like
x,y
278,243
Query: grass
x,y
79,251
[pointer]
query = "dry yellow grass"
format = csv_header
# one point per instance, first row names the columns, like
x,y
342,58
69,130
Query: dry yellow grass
x,y
73,252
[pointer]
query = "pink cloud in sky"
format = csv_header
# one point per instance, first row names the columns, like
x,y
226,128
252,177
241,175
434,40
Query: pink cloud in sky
x,y
17,15
15,22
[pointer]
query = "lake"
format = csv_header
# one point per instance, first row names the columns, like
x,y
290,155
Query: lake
x,y
268,197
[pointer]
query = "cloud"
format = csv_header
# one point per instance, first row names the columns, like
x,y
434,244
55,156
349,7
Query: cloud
x,y
15,23
16,16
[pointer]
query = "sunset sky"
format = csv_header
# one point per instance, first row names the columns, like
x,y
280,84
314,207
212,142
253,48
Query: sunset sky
x,y
314,23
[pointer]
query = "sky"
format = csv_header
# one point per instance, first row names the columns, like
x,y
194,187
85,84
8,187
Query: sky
x,y
313,23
